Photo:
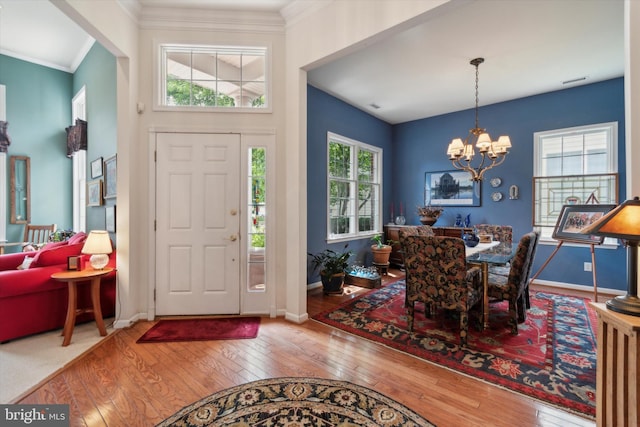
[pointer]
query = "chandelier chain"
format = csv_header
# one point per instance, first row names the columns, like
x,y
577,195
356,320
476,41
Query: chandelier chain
x,y
477,74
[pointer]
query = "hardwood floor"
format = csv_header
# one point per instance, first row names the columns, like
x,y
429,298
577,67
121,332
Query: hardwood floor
x,y
121,383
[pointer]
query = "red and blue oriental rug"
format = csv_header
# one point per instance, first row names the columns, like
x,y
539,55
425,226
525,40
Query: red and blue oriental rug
x,y
552,359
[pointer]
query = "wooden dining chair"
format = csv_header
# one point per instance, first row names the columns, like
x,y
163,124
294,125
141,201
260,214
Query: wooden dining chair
x,y
437,275
38,235
515,287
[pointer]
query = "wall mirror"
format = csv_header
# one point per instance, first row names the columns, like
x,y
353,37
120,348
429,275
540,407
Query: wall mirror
x,y
20,190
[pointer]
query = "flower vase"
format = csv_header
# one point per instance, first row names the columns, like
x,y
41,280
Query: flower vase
x,y
400,220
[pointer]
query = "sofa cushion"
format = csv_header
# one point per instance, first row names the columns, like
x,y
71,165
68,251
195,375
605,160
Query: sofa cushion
x,y
53,245
46,257
79,237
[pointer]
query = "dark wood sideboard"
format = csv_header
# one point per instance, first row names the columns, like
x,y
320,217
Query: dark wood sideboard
x,y
392,232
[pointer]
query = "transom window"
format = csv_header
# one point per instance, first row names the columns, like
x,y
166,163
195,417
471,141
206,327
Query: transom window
x,y
573,166
223,77
354,188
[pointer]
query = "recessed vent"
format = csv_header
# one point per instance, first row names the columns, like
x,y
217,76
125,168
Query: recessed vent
x,y
579,79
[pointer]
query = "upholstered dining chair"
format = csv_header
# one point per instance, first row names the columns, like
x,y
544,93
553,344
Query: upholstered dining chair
x,y
416,230
514,287
438,276
499,233
37,235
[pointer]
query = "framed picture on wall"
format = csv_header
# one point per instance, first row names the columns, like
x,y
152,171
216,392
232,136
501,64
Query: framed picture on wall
x,y
451,188
94,193
110,218
96,168
573,218
110,177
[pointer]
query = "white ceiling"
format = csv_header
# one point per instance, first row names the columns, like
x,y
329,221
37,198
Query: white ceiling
x,y
529,46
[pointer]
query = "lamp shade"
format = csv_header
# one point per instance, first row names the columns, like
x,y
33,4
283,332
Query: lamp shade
x,y
623,222
98,245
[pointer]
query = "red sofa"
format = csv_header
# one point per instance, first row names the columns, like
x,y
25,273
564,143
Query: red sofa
x,y
32,302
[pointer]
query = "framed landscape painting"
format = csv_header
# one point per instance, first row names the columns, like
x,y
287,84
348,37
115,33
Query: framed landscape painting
x,y
451,188
573,218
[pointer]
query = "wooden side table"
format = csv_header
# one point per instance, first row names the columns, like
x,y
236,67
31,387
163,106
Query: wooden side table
x,y
73,278
618,369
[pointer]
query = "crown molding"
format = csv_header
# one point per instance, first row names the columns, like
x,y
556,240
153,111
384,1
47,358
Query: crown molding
x,y
299,9
203,19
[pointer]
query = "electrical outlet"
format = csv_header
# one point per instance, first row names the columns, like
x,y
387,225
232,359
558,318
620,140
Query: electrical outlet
x,y
587,266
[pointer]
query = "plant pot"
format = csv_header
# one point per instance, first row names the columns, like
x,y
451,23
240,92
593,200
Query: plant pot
x,y
332,285
428,220
381,254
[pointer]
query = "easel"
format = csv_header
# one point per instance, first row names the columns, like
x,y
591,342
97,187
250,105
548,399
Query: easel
x,y
593,266
592,199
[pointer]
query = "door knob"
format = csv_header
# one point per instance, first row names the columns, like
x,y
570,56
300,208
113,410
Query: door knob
x,y
233,237
233,212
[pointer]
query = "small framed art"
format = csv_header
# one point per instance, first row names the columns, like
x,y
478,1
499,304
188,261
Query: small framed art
x,y
110,218
110,177
96,168
94,193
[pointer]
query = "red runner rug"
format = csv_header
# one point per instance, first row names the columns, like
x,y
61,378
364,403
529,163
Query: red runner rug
x,y
230,328
552,359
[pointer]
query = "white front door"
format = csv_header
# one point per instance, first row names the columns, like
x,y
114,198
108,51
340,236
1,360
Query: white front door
x,y
197,224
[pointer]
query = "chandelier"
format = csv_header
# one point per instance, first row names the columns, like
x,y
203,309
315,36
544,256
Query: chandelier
x,y
492,153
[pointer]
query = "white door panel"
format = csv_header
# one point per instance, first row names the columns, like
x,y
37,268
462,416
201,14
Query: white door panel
x,y
197,215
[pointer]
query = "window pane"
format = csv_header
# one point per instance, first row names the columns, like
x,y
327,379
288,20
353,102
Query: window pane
x,y
225,77
573,166
229,67
339,160
256,280
203,66
366,166
253,68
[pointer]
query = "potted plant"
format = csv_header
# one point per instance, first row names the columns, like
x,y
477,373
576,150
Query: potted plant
x,y
429,214
333,266
381,250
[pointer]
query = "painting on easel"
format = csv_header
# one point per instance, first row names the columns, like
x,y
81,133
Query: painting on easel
x,y
573,218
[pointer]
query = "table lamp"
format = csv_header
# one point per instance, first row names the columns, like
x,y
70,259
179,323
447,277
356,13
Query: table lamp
x,y
623,222
98,245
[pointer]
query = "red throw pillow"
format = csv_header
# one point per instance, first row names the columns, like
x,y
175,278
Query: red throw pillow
x,y
77,238
53,245
55,256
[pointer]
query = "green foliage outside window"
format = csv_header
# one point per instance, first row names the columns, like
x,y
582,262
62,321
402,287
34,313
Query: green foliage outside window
x,y
182,92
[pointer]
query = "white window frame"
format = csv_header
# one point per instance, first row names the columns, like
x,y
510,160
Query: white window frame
x,y
611,129
160,77
79,183
377,215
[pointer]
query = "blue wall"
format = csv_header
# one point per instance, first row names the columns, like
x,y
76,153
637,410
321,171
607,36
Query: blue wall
x,y
38,111
419,146
98,73
326,113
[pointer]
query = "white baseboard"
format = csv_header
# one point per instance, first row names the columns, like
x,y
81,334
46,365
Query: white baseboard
x,y
295,318
125,323
582,288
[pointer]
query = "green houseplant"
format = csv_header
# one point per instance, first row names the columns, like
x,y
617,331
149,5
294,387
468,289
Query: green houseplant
x,y
333,266
381,250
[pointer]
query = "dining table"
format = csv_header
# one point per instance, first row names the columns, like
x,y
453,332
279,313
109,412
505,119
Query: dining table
x,y
485,255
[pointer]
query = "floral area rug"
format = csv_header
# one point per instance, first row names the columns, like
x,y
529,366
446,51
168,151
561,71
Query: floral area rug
x,y
296,402
552,359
